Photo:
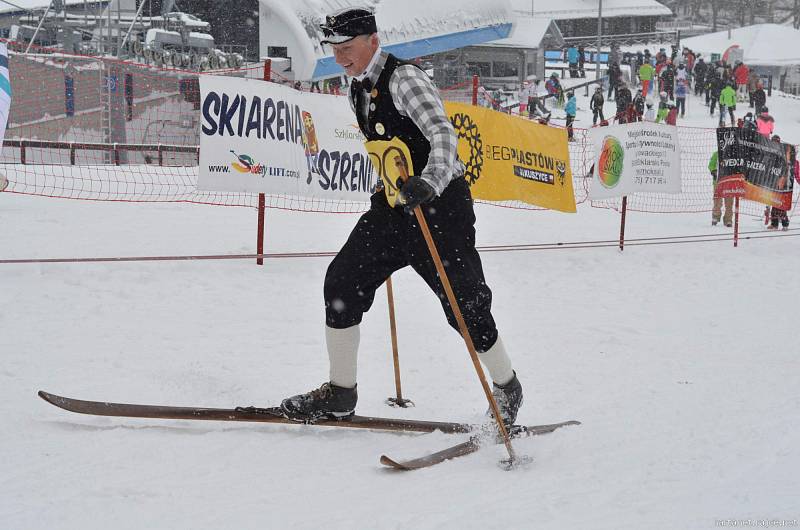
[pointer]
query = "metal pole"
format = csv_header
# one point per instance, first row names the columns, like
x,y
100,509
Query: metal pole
x,y
622,223
599,37
262,200
398,401
130,28
462,325
41,21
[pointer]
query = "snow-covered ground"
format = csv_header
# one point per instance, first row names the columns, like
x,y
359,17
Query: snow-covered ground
x,y
680,360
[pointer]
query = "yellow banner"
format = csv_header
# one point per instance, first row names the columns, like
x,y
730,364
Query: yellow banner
x,y
510,158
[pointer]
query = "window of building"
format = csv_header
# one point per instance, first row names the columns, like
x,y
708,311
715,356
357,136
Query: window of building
x,y
504,69
480,69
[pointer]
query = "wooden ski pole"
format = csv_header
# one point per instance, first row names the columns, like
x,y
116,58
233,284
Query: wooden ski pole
x,y
462,325
395,401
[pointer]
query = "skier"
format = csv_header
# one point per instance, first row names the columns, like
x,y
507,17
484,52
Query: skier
x,y
741,74
699,74
623,100
646,72
667,77
716,212
714,85
663,107
397,100
638,104
596,105
553,87
727,100
573,59
571,109
765,122
759,98
681,89
778,215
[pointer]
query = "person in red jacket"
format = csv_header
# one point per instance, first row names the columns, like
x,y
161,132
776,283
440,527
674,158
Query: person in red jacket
x,y
741,74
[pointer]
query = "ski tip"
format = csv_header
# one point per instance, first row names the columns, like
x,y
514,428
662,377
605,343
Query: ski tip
x,y
53,399
393,464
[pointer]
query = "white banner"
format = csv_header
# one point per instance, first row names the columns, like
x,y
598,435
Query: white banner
x,y
633,158
260,137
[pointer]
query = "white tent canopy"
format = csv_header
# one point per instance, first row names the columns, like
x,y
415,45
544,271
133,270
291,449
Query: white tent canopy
x,y
763,44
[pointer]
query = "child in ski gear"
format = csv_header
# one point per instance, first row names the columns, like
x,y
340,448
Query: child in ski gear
x,y
765,123
392,99
571,110
638,104
663,108
553,86
650,113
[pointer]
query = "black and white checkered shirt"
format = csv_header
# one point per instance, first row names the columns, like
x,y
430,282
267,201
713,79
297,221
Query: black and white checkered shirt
x,y
415,96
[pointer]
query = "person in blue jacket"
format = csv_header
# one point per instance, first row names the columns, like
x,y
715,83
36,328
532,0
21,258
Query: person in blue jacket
x,y
571,109
572,58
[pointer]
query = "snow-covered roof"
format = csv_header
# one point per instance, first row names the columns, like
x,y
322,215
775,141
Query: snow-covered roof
x,y
569,9
529,32
763,44
407,28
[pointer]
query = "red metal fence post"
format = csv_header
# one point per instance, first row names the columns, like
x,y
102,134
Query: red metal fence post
x,y
262,201
622,223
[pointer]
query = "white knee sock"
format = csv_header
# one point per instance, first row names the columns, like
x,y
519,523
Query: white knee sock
x,y
343,354
496,360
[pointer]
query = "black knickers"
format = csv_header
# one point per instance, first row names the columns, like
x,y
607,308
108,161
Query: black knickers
x,y
387,239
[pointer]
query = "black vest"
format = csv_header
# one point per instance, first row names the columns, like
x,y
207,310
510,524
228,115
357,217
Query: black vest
x,y
385,117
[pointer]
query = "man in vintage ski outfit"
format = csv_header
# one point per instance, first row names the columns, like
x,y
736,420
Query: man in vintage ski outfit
x,y
396,100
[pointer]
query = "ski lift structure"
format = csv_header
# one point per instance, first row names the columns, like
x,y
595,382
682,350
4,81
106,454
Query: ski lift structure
x,y
118,28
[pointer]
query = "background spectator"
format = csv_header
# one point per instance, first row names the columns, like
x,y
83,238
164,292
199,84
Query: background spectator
x,y
765,122
596,105
741,74
716,212
646,72
727,101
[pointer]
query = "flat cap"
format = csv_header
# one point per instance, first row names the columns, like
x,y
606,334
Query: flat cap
x,y
345,25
